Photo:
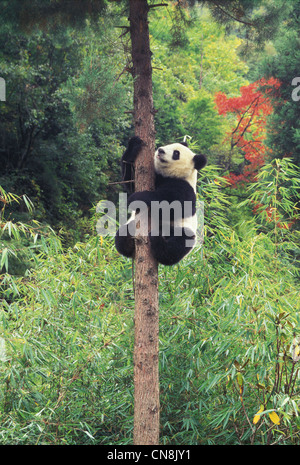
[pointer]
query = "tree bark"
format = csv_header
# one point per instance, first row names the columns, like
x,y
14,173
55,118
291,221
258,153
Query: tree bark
x,y
146,376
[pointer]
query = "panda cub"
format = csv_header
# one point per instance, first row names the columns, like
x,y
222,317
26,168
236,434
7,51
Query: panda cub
x,y
173,230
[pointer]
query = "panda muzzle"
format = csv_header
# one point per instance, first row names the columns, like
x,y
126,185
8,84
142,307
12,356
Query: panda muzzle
x,y
160,153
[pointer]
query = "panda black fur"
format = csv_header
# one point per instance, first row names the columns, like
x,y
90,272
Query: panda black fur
x,y
175,180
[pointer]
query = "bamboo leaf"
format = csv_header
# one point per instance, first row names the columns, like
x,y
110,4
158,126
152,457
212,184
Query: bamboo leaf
x,y
274,418
258,415
239,379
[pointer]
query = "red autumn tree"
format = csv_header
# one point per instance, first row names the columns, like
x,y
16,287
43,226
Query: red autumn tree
x,y
251,108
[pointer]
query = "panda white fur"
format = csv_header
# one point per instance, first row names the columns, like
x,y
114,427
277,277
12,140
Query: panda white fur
x,y
173,235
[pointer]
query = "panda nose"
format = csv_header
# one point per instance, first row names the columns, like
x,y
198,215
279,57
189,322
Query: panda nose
x,y
161,151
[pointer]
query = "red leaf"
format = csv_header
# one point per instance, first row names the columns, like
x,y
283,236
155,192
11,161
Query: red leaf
x,y
252,108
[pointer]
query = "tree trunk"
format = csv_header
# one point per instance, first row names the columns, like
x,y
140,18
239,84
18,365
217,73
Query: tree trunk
x,y
146,377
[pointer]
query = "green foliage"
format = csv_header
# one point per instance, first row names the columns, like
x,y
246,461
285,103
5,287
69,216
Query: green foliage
x,y
50,148
233,315
229,335
67,373
283,64
18,240
27,14
200,117
186,77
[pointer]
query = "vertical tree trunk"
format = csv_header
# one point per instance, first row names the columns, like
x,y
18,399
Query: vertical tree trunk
x,y
146,378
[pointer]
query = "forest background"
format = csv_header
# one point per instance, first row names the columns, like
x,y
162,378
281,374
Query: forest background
x,y
229,312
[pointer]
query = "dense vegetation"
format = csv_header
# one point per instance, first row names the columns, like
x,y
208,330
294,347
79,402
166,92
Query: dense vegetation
x,y
229,312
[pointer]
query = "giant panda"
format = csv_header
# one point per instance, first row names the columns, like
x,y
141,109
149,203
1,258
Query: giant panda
x,y
174,235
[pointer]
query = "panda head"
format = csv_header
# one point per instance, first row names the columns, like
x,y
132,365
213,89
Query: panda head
x,y
178,161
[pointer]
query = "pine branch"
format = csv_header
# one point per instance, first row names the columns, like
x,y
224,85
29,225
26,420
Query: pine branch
x,y
230,15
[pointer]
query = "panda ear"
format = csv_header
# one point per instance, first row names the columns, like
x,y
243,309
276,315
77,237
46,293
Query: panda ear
x,y
184,143
199,161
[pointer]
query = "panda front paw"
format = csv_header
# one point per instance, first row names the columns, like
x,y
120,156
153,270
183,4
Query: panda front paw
x,y
135,141
135,145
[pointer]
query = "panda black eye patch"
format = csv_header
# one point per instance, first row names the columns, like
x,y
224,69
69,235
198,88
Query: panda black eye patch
x,y
176,155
